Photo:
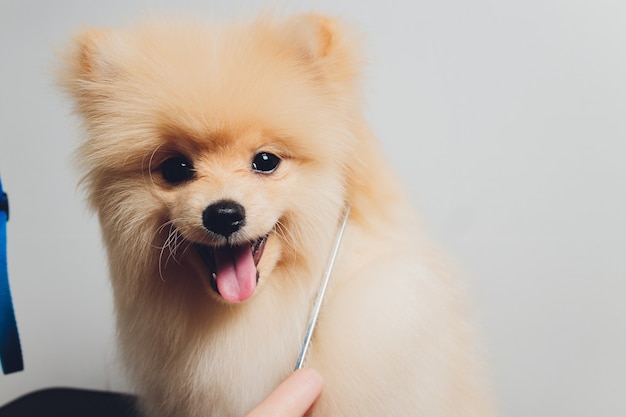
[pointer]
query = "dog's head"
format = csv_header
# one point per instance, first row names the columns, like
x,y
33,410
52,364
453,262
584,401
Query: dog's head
x,y
229,149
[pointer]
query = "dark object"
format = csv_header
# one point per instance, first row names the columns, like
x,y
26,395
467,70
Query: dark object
x,y
67,402
10,346
4,203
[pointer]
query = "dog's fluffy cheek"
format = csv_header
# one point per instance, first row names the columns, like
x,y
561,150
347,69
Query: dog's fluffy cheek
x,y
185,204
317,205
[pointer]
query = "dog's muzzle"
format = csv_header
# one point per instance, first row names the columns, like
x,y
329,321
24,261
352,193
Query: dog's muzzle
x,y
233,270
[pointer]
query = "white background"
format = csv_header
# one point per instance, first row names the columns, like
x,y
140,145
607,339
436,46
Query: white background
x,y
506,119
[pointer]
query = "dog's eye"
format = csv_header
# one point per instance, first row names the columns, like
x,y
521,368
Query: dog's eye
x,y
177,170
265,162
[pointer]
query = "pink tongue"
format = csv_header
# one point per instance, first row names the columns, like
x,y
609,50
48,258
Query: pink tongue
x,y
236,273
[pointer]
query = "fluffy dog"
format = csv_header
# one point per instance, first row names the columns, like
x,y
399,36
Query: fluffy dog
x,y
219,159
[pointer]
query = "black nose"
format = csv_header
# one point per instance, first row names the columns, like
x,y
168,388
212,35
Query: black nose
x,y
224,217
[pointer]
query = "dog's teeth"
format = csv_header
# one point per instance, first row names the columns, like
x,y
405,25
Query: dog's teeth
x,y
213,282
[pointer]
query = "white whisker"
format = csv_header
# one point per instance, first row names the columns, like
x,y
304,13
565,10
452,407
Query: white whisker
x,y
281,233
171,245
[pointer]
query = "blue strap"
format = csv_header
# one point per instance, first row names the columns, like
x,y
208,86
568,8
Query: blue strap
x,y
10,349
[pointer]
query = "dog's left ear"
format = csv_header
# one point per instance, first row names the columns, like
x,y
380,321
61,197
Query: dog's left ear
x,y
327,43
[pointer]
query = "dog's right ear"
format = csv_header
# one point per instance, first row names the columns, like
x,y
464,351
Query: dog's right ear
x,y
89,60
89,67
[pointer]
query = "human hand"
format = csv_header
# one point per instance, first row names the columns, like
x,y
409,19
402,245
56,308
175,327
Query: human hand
x,y
292,398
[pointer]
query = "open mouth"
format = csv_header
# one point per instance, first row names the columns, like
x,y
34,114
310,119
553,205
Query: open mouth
x,y
233,270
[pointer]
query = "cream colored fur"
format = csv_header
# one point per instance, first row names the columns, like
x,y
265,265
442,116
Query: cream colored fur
x,y
394,337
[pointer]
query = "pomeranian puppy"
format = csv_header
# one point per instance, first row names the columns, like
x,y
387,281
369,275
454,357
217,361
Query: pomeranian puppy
x,y
220,160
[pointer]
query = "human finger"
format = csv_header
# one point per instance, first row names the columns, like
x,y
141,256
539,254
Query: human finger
x,y
293,397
